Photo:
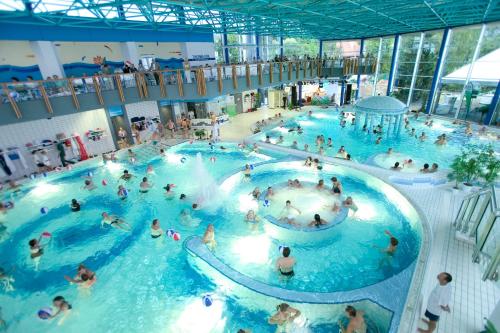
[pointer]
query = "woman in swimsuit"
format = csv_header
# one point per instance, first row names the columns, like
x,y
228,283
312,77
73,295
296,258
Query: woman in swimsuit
x,y
247,171
336,186
256,193
169,194
285,264
62,306
114,221
36,250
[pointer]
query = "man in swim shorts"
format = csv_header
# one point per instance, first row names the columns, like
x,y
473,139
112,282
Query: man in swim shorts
x,y
356,321
285,264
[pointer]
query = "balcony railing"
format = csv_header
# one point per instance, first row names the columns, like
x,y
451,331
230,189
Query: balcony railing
x,y
275,72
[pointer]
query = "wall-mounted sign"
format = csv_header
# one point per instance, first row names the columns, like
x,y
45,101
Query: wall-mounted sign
x,y
115,110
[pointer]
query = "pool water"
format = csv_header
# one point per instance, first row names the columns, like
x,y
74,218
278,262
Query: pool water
x,y
148,285
361,145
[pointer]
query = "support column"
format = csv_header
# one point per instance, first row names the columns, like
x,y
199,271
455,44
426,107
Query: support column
x,y
130,53
257,46
300,93
320,49
382,120
357,121
389,126
366,120
224,46
360,66
493,106
415,69
281,47
47,59
438,70
394,62
370,123
400,124
342,92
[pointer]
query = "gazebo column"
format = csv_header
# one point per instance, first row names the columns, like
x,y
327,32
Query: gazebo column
x,y
382,121
366,120
370,123
357,121
400,125
391,118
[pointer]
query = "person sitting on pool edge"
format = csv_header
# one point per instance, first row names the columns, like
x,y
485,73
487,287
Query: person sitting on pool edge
x,y
209,237
349,203
285,264
317,222
356,321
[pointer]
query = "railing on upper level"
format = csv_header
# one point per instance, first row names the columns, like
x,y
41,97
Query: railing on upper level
x,y
275,72
478,221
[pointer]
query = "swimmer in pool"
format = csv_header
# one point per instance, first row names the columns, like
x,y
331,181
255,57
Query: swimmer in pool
x,y
182,197
284,316
84,276
317,221
126,175
209,237
255,193
422,137
379,139
150,169
89,185
390,250
280,140
321,185
396,167
62,307
114,221
288,213
349,203
294,145
255,148
341,152
336,186
329,143
131,154
297,184
308,161
321,151
252,218
162,152
356,321
269,193
75,205
468,129
6,280
434,168
5,206
268,139
306,147
36,250
299,130
408,163
122,192
156,231
144,186
285,264
425,169
389,151
169,194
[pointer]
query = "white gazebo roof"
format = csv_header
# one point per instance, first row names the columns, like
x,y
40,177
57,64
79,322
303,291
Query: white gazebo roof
x,y
486,70
381,105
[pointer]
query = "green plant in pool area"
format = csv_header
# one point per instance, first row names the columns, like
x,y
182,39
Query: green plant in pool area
x,y
473,163
200,134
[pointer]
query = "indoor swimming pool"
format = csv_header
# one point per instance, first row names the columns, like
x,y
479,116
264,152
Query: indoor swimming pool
x,y
156,285
362,146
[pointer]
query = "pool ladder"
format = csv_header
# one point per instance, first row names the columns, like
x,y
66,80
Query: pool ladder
x,y
477,223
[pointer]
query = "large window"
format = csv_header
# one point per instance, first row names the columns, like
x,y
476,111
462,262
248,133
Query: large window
x,y
269,47
425,71
241,48
370,54
384,67
461,45
408,50
300,48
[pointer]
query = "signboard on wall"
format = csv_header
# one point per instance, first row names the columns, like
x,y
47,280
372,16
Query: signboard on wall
x,y
115,110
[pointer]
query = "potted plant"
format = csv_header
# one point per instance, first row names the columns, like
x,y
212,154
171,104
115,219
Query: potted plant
x,y
200,134
490,165
457,173
465,168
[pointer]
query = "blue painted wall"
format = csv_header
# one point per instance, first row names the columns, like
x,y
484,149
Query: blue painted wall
x,y
8,71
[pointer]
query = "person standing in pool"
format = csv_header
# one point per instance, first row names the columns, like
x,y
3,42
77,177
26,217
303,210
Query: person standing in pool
x,y
126,175
247,172
336,186
269,193
390,250
62,307
36,250
156,230
356,321
75,205
144,186
349,203
285,264
321,185
284,316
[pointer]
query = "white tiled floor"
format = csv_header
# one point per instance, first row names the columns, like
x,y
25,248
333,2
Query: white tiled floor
x,y
472,299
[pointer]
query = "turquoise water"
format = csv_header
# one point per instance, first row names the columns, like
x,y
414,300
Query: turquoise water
x,y
361,145
146,284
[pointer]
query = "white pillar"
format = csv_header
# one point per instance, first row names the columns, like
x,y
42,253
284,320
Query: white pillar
x,y
415,69
47,58
130,52
389,126
198,53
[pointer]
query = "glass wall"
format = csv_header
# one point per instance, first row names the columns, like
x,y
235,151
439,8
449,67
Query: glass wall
x,y
269,47
461,45
384,67
241,48
370,54
425,70
300,48
408,50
